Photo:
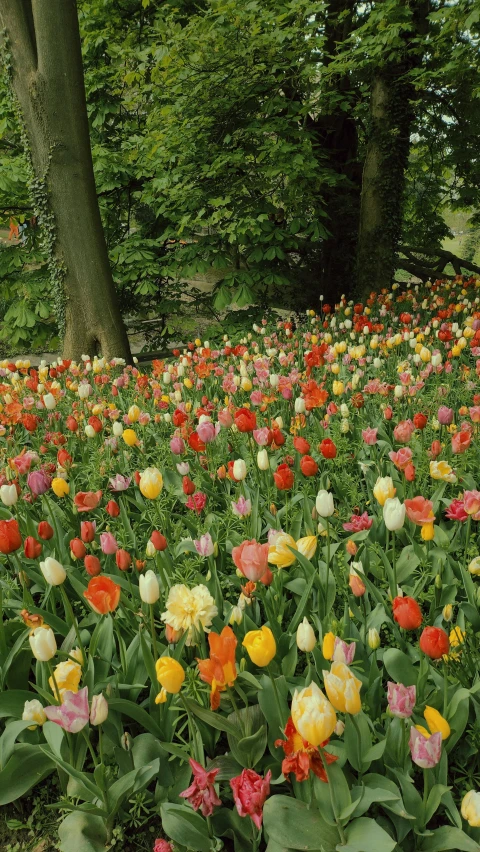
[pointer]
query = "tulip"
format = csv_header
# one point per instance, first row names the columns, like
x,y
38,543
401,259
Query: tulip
x,y
471,808
307,546
436,722
263,462
53,571
60,487
32,548
447,613
92,565
324,504
343,652
239,470
108,543
43,644
434,642
393,514
33,712
117,429
306,639
130,437
49,401
261,646
313,715
123,559
170,674
251,559
112,508
328,645
204,545
98,710
249,792
373,638
384,489
151,483
149,587
10,538
87,531
401,699
280,551
72,715
201,793
407,612
8,495
343,689
425,751
158,540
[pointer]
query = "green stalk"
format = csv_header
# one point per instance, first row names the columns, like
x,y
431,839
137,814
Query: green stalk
x,y
68,608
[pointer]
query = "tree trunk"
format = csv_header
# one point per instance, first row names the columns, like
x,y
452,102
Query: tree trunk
x,y
42,45
386,160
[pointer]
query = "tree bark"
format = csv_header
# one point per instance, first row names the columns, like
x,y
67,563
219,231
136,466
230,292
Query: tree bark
x,y
383,181
42,41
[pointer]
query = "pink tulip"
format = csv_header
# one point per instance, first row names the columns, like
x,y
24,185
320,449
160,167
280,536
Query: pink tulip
x,y
358,523
343,652
162,846
202,794
72,715
369,436
471,502
204,545
206,432
425,751
401,699
249,792
177,445
402,458
225,419
456,511
108,543
403,431
39,482
256,397
183,468
261,436
445,415
242,507
119,482
420,511
251,558
474,413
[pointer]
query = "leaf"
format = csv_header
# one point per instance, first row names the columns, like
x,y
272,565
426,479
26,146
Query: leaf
x,y
26,767
12,702
447,838
82,832
399,667
135,780
184,826
289,822
7,740
128,708
214,719
365,835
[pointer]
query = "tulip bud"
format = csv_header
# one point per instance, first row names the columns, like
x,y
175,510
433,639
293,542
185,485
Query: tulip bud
x,y
351,547
263,462
53,571
299,405
149,588
306,639
324,504
447,612
8,495
117,429
438,577
33,712
45,531
373,639
339,728
393,514
43,644
239,469
99,710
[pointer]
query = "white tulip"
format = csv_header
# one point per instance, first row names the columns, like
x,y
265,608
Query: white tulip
x,y
49,401
149,587
8,495
324,504
263,461
393,514
239,469
43,644
306,639
53,571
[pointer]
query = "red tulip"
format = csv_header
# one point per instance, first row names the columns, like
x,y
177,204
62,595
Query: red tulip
x,y
78,548
103,595
87,531
245,420
158,540
249,792
10,538
45,531
112,508
278,437
328,449
301,445
435,449
32,548
308,466
96,423
410,472
420,420
283,477
92,565
71,423
434,642
188,486
407,613
123,560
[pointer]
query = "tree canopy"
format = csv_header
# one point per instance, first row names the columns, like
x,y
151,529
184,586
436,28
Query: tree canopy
x,y
296,148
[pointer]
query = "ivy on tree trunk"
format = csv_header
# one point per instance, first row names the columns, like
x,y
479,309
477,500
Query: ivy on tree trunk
x,y
42,53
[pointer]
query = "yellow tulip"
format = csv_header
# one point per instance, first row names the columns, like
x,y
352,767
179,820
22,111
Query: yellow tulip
x,y
313,715
343,689
133,413
423,731
427,532
59,487
307,546
162,696
67,676
338,388
279,552
436,722
471,808
151,483
442,470
328,645
170,674
457,637
384,489
261,646
129,437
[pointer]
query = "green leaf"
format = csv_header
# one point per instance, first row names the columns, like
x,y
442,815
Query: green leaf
x,y
447,839
26,767
185,826
133,711
82,832
289,822
7,740
365,835
399,667
12,702
214,719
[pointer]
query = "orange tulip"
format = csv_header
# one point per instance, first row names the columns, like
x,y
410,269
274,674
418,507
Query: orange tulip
x,y
102,594
219,670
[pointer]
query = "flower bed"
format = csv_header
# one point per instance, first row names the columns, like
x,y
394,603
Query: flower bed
x,y
243,585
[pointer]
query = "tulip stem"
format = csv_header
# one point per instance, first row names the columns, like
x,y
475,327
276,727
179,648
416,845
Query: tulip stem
x,y
152,631
328,563
445,688
90,747
394,564
55,689
100,743
68,608
283,720
332,797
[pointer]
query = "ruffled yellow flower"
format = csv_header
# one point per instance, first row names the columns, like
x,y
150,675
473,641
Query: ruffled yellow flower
x,y
384,489
442,470
343,689
307,546
279,553
67,677
457,637
191,610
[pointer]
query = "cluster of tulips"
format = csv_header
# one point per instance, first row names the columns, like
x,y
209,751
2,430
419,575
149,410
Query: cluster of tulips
x,y
243,584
